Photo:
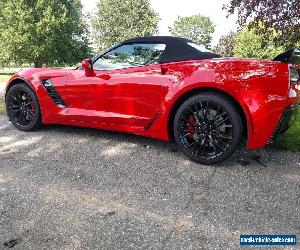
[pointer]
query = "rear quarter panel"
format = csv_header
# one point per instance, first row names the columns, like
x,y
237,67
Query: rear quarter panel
x,y
260,87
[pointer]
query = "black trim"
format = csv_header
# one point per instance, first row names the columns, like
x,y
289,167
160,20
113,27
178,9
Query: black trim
x,y
290,56
53,94
177,49
149,125
287,119
10,85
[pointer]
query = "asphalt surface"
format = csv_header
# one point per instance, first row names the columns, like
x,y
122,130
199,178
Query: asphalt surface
x,y
75,188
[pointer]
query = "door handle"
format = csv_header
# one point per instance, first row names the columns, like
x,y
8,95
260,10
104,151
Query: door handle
x,y
104,76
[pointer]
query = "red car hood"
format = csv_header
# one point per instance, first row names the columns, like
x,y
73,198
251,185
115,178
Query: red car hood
x,y
35,75
44,73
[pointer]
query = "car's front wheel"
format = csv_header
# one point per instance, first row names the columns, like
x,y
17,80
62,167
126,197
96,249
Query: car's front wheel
x,y
208,128
22,107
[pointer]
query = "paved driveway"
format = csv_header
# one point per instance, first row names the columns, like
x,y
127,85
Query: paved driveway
x,y
73,188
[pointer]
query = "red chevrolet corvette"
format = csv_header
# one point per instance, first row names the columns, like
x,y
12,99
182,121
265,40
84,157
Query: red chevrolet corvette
x,y
165,88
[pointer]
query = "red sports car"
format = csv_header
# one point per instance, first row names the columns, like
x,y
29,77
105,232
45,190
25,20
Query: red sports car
x,y
165,88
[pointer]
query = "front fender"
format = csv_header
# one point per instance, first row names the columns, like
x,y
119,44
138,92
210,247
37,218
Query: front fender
x,y
51,113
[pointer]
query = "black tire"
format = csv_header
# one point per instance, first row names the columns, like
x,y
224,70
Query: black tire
x,y
23,108
208,128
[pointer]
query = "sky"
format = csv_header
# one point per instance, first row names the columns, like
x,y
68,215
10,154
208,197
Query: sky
x,y
169,10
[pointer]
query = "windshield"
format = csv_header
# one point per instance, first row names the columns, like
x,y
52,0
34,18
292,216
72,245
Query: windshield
x,y
200,48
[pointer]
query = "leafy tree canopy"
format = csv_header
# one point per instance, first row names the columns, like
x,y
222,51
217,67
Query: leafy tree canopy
x,y
196,28
283,15
225,46
42,31
117,20
249,44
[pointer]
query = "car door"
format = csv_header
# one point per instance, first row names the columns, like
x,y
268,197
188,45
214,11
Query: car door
x,y
126,88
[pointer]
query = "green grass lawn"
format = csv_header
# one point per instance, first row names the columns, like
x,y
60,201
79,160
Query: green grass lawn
x,y
4,77
2,106
290,140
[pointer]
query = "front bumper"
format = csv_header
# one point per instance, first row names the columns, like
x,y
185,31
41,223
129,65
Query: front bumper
x,y
287,119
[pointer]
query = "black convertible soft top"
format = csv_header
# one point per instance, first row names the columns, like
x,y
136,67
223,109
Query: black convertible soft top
x,y
177,49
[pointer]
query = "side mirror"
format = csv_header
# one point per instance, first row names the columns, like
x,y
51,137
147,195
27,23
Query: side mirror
x,y
87,65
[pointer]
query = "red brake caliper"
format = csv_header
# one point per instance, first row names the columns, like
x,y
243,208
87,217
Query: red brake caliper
x,y
190,127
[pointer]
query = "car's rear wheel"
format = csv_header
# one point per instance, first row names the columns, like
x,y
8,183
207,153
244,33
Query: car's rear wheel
x,y
208,128
22,107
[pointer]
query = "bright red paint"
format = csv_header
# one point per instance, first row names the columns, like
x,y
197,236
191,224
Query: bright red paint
x,y
140,100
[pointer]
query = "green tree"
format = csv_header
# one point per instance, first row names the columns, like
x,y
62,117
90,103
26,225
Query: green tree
x,y
196,28
226,44
250,44
117,20
283,15
48,32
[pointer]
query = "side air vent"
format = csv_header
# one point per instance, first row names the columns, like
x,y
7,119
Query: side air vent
x,y
53,94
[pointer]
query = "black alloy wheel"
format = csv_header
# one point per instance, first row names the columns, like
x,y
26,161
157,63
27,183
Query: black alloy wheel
x,y
23,108
208,128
